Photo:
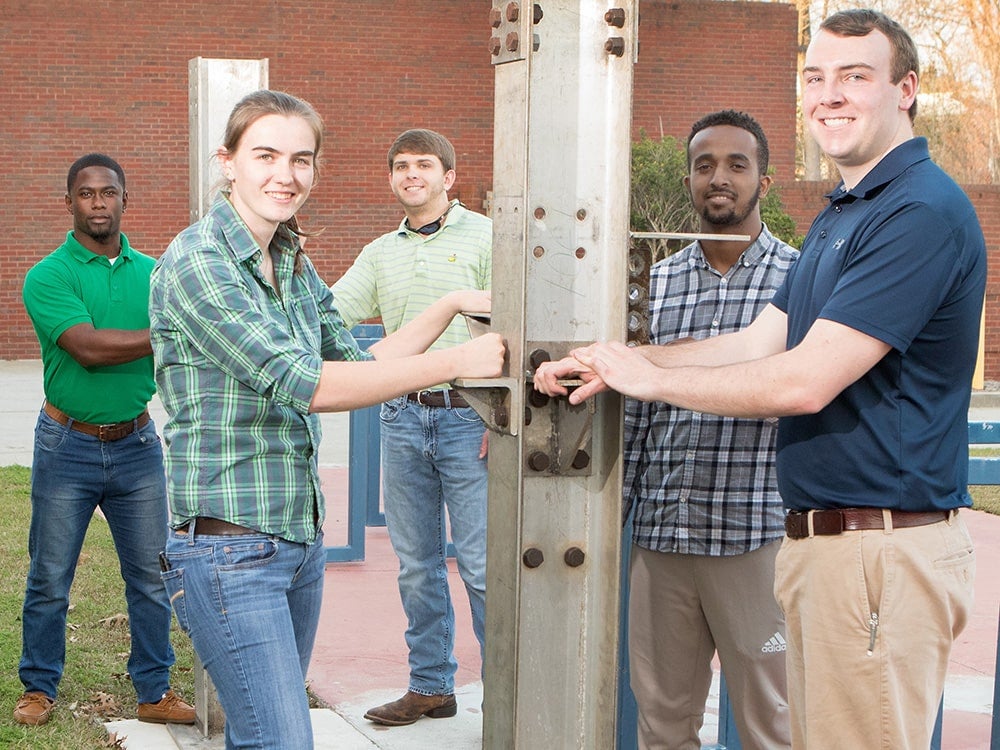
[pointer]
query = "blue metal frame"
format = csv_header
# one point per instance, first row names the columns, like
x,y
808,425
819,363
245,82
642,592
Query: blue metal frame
x,y
364,506
363,469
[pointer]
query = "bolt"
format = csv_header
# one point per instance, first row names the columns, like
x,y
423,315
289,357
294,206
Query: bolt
x,y
615,17
580,253
495,46
536,358
495,18
512,42
538,461
614,46
538,251
537,14
527,416
500,416
537,398
574,557
581,214
581,460
513,11
539,213
532,557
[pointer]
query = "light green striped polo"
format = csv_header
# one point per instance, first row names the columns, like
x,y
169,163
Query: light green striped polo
x,y
400,274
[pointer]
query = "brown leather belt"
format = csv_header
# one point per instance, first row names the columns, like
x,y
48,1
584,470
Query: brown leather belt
x,y
437,399
103,432
830,522
215,527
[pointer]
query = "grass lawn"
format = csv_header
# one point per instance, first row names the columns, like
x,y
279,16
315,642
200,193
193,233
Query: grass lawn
x,y
95,686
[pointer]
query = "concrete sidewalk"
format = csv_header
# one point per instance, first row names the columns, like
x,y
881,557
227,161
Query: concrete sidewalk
x,y
360,657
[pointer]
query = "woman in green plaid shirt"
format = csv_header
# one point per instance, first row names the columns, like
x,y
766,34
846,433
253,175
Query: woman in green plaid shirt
x,y
248,347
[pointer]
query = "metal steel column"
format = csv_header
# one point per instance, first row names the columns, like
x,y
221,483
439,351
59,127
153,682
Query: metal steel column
x,y
214,87
560,195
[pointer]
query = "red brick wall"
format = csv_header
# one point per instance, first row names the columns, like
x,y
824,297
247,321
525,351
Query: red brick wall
x,y
114,78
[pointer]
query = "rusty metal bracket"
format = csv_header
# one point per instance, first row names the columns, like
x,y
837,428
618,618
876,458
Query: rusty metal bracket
x,y
493,400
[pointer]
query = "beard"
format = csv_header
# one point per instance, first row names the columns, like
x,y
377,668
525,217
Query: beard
x,y
731,216
100,233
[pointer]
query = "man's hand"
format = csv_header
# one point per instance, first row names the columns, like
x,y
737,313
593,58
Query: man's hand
x,y
548,375
600,366
619,367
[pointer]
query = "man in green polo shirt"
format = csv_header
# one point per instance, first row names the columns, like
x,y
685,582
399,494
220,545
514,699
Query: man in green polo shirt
x,y
433,444
95,445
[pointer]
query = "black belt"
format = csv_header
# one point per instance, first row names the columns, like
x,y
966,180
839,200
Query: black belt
x,y
830,522
437,399
103,432
215,527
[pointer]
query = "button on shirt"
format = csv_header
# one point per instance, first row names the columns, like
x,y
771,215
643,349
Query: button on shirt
x,y
237,365
699,483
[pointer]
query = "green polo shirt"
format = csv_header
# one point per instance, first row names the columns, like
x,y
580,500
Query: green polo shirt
x,y
71,286
400,274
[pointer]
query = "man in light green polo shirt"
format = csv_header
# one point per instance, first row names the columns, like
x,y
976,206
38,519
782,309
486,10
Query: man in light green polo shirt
x,y
433,444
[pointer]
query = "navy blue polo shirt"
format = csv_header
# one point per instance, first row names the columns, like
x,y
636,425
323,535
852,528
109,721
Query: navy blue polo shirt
x,y
900,257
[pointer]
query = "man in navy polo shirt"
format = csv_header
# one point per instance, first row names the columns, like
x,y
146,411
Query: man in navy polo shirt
x,y
866,353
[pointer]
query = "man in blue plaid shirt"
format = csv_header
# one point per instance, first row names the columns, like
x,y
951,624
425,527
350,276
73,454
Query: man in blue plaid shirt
x,y
707,518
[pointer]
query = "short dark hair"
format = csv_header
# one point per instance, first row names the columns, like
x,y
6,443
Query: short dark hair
x,y
420,141
93,160
862,22
738,120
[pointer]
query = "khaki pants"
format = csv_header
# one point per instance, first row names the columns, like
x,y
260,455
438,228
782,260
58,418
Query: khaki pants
x,y
845,689
682,608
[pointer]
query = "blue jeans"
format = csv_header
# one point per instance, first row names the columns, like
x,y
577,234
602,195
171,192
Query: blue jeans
x,y
251,606
430,459
72,474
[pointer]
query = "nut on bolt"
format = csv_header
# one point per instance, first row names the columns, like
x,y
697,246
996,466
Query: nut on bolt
x,y
615,17
615,46
537,357
538,461
532,557
512,11
574,557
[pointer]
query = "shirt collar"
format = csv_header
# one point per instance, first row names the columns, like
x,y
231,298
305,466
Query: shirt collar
x,y
454,211
238,235
84,255
749,257
892,165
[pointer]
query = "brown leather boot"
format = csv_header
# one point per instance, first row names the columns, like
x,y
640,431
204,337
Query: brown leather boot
x,y
411,707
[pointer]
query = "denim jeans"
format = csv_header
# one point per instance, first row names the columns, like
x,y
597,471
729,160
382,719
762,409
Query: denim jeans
x,y
430,459
73,474
251,606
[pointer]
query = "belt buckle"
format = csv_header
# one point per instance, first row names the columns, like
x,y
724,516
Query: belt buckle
x,y
828,523
420,398
107,433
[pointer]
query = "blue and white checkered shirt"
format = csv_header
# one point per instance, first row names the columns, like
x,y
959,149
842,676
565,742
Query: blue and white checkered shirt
x,y
698,483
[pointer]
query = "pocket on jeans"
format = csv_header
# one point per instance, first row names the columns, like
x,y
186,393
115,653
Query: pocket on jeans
x,y
467,414
389,411
173,582
254,552
49,434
